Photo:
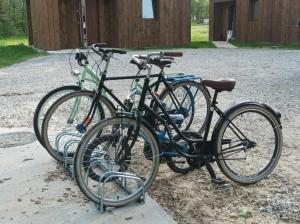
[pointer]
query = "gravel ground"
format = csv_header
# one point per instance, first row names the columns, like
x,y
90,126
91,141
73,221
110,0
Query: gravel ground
x,y
270,76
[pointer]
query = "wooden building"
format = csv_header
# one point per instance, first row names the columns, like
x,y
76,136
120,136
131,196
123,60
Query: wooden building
x,y
255,20
62,24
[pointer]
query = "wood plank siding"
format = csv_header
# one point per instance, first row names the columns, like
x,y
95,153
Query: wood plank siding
x,y
57,24
276,21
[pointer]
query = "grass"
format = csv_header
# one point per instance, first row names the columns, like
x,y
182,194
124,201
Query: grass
x,y
199,36
13,40
14,50
250,44
199,39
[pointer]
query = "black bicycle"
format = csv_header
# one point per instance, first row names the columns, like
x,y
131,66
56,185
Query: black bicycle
x,y
246,143
70,116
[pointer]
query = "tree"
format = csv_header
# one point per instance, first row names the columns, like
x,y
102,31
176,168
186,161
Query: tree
x,y
12,17
200,10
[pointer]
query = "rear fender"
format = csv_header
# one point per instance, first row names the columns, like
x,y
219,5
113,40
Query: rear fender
x,y
217,127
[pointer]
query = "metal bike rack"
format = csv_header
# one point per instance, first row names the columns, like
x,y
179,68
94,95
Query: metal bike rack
x,y
64,134
123,183
66,157
59,138
119,178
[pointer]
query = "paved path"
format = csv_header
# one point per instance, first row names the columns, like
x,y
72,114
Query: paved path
x,y
223,44
34,189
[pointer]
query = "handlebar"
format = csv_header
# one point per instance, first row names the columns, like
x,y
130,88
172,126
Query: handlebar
x,y
98,49
161,58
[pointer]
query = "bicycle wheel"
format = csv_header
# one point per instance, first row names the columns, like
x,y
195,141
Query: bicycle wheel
x,y
192,101
115,146
60,131
44,105
250,145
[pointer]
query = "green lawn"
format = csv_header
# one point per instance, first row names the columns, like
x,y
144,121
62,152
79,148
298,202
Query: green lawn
x,y
199,39
14,50
250,44
13,40
199,36
199,33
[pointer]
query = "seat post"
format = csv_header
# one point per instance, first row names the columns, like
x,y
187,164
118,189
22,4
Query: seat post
x,y
214,101
210,115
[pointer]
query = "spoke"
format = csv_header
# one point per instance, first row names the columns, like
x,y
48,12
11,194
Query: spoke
x,y
232,147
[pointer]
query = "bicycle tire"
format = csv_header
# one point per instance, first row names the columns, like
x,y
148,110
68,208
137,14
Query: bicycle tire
x,y
88,143
41,108
206,105
257,116
46,133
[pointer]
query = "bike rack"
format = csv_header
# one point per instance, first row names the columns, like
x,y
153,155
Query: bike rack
x,y
122,183
119,178
66,148
66,157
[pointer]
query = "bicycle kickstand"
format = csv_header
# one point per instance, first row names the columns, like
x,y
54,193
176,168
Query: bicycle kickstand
x,y
214,178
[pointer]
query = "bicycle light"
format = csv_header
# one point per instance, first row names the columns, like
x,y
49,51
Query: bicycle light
x,y
75,73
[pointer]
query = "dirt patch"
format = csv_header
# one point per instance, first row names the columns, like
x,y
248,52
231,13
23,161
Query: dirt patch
x,y
58,174
193,198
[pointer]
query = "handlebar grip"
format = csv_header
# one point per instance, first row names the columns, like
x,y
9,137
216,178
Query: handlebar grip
x,y
136,60
173,54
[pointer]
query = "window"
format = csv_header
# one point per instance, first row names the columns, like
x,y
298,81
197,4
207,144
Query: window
x,y
149,9
254,9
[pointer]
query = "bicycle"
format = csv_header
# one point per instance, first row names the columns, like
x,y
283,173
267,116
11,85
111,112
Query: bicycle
x,y
114,146
88,75
53,131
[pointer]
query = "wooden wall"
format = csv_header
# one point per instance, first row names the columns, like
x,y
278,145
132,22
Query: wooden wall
x,y
55,24
172,26
276,21
69,24
43,33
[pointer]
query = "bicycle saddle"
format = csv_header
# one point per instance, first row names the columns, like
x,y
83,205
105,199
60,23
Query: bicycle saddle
x,y
162,62
221,85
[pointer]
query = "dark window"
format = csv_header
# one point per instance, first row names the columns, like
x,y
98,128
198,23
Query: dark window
x,y
149,8
254,9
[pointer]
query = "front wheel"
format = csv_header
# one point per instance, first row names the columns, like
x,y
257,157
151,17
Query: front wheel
x,y
115,147
44,105
190,99
248,144
60,130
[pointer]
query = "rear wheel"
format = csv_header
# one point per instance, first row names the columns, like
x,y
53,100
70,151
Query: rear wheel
x,y
250,146
114,147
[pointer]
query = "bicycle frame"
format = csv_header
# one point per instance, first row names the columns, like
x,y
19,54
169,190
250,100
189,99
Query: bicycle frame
x,y
103,90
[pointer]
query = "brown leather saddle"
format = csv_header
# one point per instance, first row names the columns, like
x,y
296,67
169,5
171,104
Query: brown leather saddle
x,y
220,85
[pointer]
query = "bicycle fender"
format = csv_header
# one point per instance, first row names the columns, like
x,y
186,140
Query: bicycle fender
x,y
277,115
